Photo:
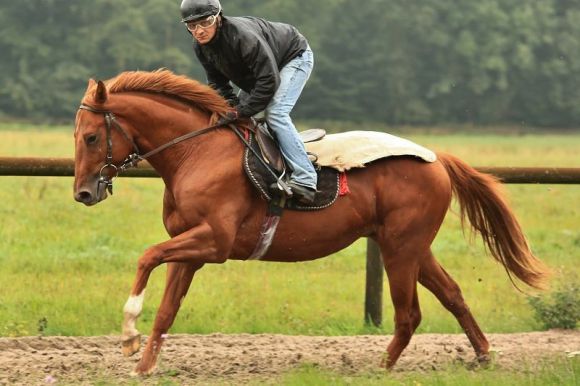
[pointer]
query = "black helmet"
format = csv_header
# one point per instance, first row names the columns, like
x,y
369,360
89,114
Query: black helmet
x,y
198,9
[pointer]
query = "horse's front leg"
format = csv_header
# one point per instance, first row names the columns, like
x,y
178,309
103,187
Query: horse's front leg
x,y
179,276
130,337
191,249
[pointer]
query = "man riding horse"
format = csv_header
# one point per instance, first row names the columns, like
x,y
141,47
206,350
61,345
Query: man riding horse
x,y
270,62
138,115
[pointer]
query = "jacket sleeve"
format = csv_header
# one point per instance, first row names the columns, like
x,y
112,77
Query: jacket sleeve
x,y
259,58
217,80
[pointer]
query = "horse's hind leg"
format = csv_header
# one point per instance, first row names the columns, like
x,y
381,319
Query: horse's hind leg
x,y
402,269
403,287
179,277
433,277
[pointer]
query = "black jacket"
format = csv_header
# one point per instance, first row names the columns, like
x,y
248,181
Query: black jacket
x,y
249,52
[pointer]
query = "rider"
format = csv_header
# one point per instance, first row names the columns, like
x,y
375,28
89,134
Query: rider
x,y
270,62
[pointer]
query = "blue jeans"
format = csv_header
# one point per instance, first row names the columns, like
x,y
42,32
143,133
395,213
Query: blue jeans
x,y
293,77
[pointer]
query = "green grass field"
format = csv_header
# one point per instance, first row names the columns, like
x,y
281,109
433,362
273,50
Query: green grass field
x,y
73,266
550,373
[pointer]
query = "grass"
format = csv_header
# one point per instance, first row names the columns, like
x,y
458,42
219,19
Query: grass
x,y
73,266
547,373
555,372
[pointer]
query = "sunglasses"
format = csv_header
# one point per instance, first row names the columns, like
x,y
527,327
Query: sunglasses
x,y
204,23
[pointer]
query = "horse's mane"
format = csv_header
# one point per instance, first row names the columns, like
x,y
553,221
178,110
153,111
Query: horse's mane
x,y
165,82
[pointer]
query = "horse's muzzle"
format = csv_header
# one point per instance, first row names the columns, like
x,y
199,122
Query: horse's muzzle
x,y
85,197
88,197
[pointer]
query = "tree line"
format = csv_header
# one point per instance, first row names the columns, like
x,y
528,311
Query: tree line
x,y
412,62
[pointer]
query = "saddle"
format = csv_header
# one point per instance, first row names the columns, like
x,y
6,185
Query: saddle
x,y
264,145
270,148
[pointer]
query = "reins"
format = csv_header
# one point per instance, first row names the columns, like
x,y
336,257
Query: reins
x,y
134,158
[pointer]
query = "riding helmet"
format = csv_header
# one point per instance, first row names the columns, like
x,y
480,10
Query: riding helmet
x,y
198,9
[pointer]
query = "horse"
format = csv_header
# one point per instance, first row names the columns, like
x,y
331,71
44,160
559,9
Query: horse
x,y
212,213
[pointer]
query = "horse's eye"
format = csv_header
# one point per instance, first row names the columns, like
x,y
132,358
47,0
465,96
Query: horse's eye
x,y
91,139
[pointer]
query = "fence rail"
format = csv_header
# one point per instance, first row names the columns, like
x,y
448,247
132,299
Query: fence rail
x,y
64,167
57,167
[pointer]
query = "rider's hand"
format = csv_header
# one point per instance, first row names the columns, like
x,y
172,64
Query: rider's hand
x,y
229,117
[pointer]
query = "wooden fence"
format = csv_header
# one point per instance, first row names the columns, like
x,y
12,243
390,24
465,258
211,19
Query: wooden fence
x,y
64,167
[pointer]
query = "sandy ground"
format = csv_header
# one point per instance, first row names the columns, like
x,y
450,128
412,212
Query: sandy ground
x,y
238,359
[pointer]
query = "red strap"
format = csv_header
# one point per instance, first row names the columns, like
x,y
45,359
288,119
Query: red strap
x,y
343,189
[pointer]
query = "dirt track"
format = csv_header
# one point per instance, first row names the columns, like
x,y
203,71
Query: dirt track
x,y
241,358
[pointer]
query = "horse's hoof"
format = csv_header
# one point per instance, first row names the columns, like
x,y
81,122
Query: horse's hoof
x,y
131,345
140,372
484,360
385,363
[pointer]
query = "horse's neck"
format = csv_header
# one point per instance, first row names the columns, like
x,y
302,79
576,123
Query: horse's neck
x,y
160,120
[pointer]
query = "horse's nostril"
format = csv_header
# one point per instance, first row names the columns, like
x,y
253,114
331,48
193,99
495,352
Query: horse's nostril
x,y
84,196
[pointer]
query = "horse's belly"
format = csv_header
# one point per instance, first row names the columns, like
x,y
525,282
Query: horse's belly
x,y
306,250
309,236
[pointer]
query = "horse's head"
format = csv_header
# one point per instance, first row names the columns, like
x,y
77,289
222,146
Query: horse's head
x,y
105,145
101,145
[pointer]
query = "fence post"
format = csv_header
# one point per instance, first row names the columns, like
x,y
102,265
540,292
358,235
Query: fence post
x,y
374,285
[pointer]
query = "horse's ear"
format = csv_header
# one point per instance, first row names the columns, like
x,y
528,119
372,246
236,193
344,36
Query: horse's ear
x,y
92,83
101,93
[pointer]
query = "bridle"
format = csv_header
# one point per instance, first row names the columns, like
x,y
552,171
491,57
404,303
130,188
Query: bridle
x,y
109,170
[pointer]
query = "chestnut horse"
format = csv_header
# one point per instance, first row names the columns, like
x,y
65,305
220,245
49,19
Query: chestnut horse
x,y
212,213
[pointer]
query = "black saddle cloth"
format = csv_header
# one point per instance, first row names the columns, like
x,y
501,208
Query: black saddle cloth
x,y
328,181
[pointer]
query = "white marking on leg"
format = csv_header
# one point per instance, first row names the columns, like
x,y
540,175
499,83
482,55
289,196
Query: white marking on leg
x,y
132,310
134,304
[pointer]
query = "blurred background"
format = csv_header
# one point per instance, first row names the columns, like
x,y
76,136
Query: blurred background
x,y
397,62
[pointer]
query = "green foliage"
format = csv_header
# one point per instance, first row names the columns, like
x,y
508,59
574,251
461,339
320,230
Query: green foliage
x,y
51,48
561,310
399,62
418,62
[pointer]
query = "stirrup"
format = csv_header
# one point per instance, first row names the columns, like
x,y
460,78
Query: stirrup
x,y
281,185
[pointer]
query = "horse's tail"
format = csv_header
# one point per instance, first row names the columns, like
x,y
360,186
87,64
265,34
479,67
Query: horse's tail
x,y
482,202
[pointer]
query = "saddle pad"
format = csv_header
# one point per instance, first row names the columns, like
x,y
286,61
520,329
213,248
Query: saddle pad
x,y
354,149
328,181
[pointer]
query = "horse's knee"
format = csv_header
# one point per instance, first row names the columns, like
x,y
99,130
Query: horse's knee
x,y
149,260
